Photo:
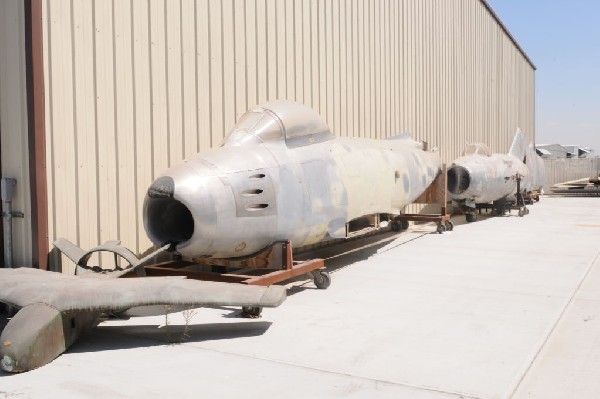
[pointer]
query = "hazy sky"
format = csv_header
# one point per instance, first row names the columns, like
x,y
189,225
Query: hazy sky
x,y
562,38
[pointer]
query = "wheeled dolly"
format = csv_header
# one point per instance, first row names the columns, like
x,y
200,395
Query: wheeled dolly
x,y
272,265
502,207
401,222
435,194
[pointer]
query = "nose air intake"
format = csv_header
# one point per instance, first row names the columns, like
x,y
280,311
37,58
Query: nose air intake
x,y
167,220
459,180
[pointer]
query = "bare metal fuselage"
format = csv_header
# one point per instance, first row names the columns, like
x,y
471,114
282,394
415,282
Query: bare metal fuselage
x,y
237,199
479,179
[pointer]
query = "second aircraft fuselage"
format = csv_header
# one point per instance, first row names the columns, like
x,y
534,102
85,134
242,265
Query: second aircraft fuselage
x,y
478,179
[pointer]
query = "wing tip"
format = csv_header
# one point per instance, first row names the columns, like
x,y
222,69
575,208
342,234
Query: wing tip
x,y
273,296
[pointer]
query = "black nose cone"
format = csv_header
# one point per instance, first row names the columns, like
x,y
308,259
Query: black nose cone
x,y
167,220
163,187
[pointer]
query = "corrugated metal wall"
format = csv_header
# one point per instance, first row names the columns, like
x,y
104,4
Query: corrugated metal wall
x,y
13,122
566,169
135,86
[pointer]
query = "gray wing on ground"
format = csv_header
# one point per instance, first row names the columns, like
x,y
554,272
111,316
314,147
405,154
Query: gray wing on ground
x,y
25,286
71,250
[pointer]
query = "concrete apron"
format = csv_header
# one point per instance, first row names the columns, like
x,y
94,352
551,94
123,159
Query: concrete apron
x,y
504,307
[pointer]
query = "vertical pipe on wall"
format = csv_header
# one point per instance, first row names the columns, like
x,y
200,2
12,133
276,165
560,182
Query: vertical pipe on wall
x,y
37,131
7,187
7,191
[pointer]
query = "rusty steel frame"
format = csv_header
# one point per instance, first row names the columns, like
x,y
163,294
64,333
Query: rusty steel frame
x,y
416,217
436,194
532,196
275,264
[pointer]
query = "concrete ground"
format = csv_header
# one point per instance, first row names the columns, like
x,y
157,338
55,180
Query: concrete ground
x,y
506,307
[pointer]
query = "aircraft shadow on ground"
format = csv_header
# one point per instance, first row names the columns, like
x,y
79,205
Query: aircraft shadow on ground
x,y
104,338
342,255
459,220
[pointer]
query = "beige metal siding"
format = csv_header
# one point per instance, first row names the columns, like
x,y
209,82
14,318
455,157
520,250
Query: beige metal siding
x,y
566,169
13,122
135,86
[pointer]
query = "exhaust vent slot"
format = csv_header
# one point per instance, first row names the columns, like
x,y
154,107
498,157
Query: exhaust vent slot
x,y
254,193
250,193
256,207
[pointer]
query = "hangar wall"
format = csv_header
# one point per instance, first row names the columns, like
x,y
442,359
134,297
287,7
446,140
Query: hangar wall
x,y
14,124
135,86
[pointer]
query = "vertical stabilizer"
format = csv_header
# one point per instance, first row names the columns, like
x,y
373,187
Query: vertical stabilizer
x,y
537,171
519,145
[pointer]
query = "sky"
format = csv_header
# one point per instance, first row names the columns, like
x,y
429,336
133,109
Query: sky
x,y
562,38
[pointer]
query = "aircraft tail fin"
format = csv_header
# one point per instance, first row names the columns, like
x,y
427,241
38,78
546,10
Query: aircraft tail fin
x,y
519,145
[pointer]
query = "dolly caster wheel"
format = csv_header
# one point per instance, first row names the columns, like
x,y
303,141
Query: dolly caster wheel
x,y
449,225
521,212
441,228
321,279
400,225
251,312
471,217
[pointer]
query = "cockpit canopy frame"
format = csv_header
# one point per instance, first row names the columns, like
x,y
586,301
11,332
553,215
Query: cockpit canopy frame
x,y
477,148
296,124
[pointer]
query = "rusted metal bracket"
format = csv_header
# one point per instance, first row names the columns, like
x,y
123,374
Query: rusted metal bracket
x,y
272,265
437,193
15,214
276,255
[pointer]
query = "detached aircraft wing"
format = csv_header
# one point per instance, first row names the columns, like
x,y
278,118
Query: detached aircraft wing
x,y
56,308
22,287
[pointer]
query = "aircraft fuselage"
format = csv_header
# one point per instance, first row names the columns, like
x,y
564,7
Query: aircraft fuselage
x,y
241,199
282,175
